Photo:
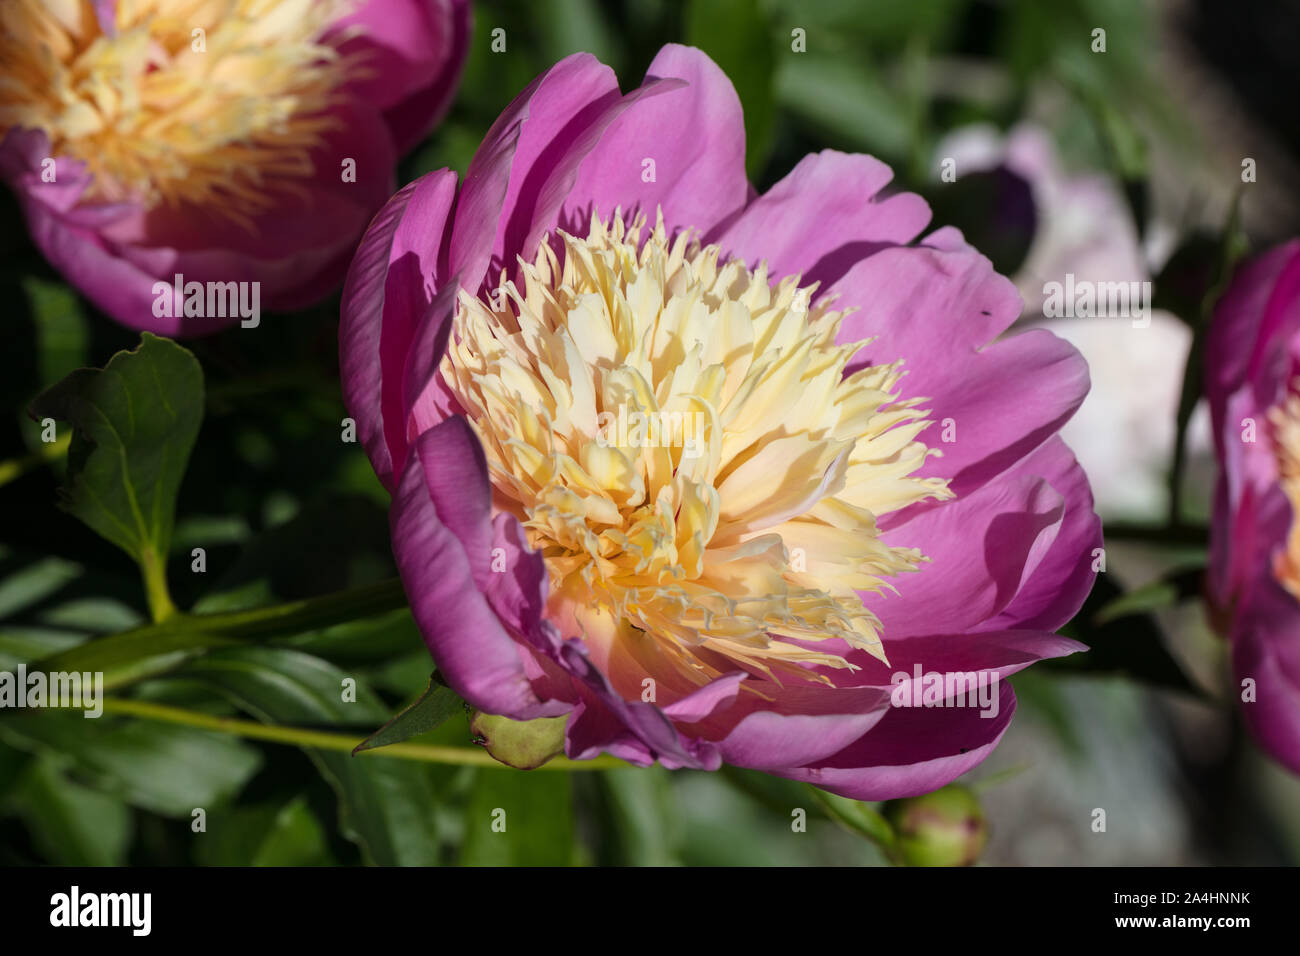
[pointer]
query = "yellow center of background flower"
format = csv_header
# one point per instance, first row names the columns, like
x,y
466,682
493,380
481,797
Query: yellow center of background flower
x,y
678,438
207,101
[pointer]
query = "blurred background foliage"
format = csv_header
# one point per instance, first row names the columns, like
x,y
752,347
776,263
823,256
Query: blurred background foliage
x,y
1143,727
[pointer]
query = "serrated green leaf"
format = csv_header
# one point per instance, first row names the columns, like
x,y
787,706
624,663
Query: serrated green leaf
x,y
134,424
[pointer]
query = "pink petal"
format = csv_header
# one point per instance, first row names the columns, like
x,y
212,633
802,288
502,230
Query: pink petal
x,y
441,483
980,547
694,134
1057,586
1265,650
912,750
523,133
388,288
824,217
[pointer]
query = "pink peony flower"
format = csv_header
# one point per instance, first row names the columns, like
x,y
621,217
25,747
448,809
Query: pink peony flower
x,y
1253,385
658,465
244,141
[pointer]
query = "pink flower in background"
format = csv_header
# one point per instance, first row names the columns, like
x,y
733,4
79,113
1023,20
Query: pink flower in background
x,y
1253,384
1124,433
244,141
715,474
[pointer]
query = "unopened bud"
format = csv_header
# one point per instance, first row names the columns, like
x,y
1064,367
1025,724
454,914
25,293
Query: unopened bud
x,y
944,828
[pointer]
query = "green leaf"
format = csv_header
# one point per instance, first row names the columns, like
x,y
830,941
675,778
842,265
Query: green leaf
x,y
1128,643
429,711
158,648
35,582
60,324
385,806
519,819
163,768
134,655
380,638
333,543
1176,586
738,35
644,820
264,835
72,825
134,423
22,646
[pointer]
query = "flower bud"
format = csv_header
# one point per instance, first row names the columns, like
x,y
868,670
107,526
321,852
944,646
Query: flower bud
x,y
943,828
522,744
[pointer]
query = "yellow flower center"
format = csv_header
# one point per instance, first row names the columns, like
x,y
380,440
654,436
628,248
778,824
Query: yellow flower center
x,y
678,438
1285,419
207,101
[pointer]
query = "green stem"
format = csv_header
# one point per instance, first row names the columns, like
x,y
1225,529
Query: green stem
x,y
1231,248
858,818
154,572
325,740
1191,395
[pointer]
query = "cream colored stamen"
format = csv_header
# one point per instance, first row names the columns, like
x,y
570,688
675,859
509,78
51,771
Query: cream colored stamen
x,y
745,549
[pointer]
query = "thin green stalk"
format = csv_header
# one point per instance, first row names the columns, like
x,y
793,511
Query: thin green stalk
x,y
154,572
1231,248
861,819
326,740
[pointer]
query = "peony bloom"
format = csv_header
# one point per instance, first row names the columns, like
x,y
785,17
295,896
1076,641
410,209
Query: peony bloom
x,y
244,141
1253,384
657,461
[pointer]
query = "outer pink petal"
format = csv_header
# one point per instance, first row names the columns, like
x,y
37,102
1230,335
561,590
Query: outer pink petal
x,y
546,111
696,137
1266,649
1055,588
292,241
412,52
823,218
443,488
393,277
1249,366
935,308
811,722
634,730
912,750
1234,338
979,547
